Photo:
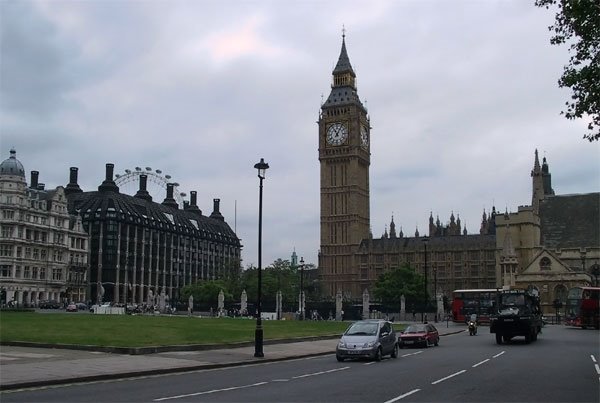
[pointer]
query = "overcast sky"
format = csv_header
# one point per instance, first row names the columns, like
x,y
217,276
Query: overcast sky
x,y
460,94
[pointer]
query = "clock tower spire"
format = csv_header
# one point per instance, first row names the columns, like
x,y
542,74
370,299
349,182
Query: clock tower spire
x,y
344,156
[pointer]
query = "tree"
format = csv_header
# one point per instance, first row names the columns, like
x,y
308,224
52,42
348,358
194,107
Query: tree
x,y
391,285
206,291
578,23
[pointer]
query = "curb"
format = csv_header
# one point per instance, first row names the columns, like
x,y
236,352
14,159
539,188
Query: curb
x,y
162,349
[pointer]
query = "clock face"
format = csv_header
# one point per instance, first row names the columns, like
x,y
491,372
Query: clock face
x,y
364,137
337,133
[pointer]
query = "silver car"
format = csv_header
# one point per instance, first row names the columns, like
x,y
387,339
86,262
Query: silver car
x,y
368,339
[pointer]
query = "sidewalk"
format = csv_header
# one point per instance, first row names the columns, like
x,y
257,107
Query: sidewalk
x,y
22,367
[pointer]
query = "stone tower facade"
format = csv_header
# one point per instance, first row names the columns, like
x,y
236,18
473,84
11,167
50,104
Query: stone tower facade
x,y
344,155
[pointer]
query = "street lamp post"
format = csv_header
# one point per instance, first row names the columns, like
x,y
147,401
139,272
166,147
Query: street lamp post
x,y
301,288
595,272
425,240
435,292
262,167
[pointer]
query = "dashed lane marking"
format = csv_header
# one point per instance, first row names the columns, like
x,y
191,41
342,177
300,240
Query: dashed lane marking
x,y
403,396
448,377
415,353
320,373
499,354
210,391
593,358
481,362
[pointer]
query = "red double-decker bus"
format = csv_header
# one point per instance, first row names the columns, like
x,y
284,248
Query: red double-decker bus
x,y
478,301
583,307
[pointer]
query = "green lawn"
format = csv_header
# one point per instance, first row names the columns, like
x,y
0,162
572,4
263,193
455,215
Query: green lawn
x,y
142,331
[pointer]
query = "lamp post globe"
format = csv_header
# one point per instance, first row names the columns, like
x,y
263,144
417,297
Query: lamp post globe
x,y
262,167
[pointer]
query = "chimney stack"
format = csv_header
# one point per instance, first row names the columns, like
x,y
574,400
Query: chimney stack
x,y
216,214
169,200
142,193
193,206
72,186
34,179
109,184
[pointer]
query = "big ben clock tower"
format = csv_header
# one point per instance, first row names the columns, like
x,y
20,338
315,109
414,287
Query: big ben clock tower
x,y
344,138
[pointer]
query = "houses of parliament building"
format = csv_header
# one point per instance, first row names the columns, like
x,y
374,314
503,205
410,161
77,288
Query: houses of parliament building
x,y
550,245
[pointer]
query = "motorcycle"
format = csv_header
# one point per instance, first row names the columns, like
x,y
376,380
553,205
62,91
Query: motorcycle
x,y
473,325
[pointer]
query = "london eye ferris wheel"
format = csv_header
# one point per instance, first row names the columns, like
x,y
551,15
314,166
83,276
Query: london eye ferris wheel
x,y
156,183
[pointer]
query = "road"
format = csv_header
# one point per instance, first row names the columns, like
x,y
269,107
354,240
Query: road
x,y
562,366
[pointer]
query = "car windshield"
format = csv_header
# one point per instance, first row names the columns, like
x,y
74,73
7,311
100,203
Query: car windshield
x,y
513,300
416,329
362,329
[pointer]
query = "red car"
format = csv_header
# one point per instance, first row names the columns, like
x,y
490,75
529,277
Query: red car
x,y
420,334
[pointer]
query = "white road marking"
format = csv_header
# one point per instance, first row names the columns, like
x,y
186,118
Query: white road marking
x,y
279,380
499,354
479,363
320,373
593,358
403,396
370,363
415,353
597,368
448,377
210,391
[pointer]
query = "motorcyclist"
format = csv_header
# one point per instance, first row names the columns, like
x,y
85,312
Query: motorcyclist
x,y
473,325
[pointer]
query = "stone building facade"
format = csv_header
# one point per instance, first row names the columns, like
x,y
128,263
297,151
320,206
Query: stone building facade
x,y
350,259
43,248
550,245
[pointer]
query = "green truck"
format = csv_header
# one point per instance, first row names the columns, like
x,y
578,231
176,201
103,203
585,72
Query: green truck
x,y
518,314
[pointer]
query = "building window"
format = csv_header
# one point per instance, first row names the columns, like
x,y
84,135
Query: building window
x,y
26,272
545,263
6,250
42,273
8,214
5,270
7,231
56,274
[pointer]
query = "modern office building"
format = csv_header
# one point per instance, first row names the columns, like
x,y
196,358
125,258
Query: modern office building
x,y
142,251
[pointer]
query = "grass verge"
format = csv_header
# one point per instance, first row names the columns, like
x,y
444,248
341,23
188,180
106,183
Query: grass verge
x,y
144,331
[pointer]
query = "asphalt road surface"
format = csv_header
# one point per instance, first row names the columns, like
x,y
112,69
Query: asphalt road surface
x,y
562,366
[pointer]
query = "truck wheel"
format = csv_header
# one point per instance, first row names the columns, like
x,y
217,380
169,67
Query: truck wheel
x,y
498,338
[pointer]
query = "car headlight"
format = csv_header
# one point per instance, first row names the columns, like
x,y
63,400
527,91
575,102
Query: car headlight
x,y
341,344
370,344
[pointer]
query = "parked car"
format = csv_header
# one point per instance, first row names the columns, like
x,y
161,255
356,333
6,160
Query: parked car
x,y
49,304
368,339
71,308
82,306
420,334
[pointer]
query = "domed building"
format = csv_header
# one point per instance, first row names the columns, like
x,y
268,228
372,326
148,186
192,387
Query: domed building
x,y
43,249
